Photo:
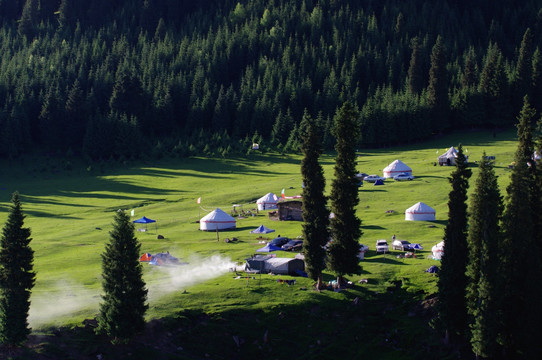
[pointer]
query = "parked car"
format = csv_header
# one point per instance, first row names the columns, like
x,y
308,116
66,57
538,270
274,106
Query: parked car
x,y
361,175
402,245
382,246
279,241
293,245
403,176
373,178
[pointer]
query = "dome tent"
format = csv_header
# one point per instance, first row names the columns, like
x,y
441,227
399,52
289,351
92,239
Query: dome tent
x,y
268,201
217,220
395,168
420,212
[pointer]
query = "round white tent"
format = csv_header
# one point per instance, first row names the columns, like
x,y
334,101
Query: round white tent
x,y
217,220
268,201
420,212
448,158
395,168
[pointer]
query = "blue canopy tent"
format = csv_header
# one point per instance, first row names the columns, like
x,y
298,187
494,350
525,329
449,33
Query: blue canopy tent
x,y
269,248
144,220
262,230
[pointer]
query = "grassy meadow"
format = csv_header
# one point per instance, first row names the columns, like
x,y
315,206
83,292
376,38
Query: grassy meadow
x,y
70,208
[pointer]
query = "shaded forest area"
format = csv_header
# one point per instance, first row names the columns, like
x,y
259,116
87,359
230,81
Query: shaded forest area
x,y
126,78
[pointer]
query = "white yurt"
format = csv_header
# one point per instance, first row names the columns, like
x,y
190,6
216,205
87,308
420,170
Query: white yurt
x,y
217,220
448,158
268,201
438,250
420,212
395,168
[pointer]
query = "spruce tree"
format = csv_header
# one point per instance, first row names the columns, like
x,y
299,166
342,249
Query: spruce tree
x,y
415,69
122,311
482,291
521,267
28,20
469,78
494,88
452,280
522,82
74,123
437,91
16,276
345,225
536,80
315,213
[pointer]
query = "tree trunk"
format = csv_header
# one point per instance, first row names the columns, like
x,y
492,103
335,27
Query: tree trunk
x,y
340,281
320,283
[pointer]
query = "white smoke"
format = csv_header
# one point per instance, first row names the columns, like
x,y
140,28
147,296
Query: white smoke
x,y
64,299
68,298
179,277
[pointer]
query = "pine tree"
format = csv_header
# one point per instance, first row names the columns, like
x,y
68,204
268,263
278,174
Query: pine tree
x,y
482,291
122,311
74,123
452,280
51,119
521,267
345,225
28,20
415,69
315,213
522,83
494,87
469,78
17,277
66,13
437,91
536,81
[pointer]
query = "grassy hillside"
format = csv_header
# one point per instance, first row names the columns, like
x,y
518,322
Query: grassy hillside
x,y
70,208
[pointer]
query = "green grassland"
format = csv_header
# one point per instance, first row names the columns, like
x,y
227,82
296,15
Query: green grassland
x,y
70,207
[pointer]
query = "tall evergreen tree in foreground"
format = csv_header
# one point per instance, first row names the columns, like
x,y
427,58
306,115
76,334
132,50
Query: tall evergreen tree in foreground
x,y
482,292
16,277
315,213
122,311
345,225
521,269
452,280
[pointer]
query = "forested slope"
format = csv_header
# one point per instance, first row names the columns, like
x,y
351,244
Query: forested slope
x,y
107,78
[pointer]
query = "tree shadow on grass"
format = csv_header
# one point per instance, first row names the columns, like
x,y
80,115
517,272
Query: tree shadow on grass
x,y
385,259
373,227
354,323
373,190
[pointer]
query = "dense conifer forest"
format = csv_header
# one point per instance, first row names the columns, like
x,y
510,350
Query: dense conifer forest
x,y
123,79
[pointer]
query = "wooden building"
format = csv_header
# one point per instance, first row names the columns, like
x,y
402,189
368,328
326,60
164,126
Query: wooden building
x,y
290,210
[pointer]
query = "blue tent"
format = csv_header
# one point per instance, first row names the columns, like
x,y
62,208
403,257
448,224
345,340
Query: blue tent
x,y
144,220
262,230
378,182
269,248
